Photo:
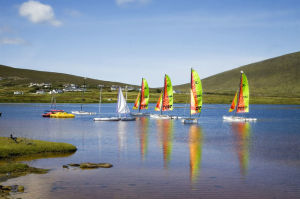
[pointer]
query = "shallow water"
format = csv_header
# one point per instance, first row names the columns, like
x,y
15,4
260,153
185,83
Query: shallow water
x,y
163,158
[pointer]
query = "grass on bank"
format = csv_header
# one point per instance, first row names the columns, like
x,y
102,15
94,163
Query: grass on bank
x,y
92,96
9,148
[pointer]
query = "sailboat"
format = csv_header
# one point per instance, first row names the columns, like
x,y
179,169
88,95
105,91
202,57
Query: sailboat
x,y
82,112
240,102
195,98
165,101
122,110
142,99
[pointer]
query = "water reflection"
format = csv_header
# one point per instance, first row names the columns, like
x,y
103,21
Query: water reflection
x,y
122,139
241,132
142,126
195,145
165,134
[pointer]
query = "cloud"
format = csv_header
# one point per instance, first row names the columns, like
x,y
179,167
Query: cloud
x,y
12,41
125,2
37,12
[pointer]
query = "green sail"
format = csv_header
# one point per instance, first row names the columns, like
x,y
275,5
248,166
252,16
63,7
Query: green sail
x,y
243,99
145,94
196,87
246,92
168,95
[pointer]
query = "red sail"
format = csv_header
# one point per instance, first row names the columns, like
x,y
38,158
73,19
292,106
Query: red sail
x,y
143,103
194,92
165,100
241,104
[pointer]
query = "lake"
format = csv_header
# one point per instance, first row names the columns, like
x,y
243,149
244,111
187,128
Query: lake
x,y
163,158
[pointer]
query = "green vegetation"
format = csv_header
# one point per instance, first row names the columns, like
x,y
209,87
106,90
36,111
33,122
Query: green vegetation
x,y
277,77
92,96
22,149
15,77
9,148
14,169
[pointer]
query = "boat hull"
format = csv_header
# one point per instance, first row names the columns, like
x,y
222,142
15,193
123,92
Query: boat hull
x,y
83,113
140,114
128,119
62,115
190,121
238,119
107,119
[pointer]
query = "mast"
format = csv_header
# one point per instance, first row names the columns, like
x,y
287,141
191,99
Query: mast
x,y
141,95
82,94
126,93
163,96
191,91
238,99
100,97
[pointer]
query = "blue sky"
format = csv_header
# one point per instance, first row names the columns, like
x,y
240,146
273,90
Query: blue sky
x,y
125,40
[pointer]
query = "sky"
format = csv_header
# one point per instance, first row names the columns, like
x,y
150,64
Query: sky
x,y
125,40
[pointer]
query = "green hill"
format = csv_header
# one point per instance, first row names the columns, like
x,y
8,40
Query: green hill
x,y
276,77
15,76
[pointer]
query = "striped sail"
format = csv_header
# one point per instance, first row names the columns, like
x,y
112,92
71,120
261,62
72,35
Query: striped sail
x,y
159,102
234,101
243,98
144,95
137,102
167,101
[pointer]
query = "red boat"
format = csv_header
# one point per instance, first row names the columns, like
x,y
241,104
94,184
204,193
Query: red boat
x,y
49,112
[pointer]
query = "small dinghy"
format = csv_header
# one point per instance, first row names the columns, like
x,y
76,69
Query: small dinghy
x,y
240,102
83,113
122,110
195,98
142,100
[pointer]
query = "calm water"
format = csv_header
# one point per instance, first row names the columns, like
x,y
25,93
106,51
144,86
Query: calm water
x,y
164,158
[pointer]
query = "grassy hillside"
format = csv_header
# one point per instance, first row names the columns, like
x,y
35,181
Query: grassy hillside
x,y
15,76
276,77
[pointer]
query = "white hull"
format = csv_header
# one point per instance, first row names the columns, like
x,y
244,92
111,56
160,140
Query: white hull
x,y
83,113
107,119
190,121
139,114
238,119
157,116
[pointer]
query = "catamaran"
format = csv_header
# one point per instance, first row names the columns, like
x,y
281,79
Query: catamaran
x,y
165,101
240,102
195,98
122,110
142,99
82,112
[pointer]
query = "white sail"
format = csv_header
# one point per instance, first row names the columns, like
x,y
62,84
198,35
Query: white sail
x,y
122,105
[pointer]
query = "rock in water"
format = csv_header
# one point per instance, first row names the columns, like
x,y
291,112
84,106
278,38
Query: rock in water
x,y
88,165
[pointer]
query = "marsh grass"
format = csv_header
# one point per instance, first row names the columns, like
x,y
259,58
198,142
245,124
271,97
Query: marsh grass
x,y
9,148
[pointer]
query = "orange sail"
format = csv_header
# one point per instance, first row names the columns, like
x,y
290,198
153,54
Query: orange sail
x,y
233,104
159,102
137,102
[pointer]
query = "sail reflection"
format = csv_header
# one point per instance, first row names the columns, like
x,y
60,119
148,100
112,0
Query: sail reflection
x,y
142,124
241,132
195,145
165,134
122,139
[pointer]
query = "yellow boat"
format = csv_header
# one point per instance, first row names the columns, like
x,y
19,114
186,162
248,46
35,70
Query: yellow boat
x,y
62,115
